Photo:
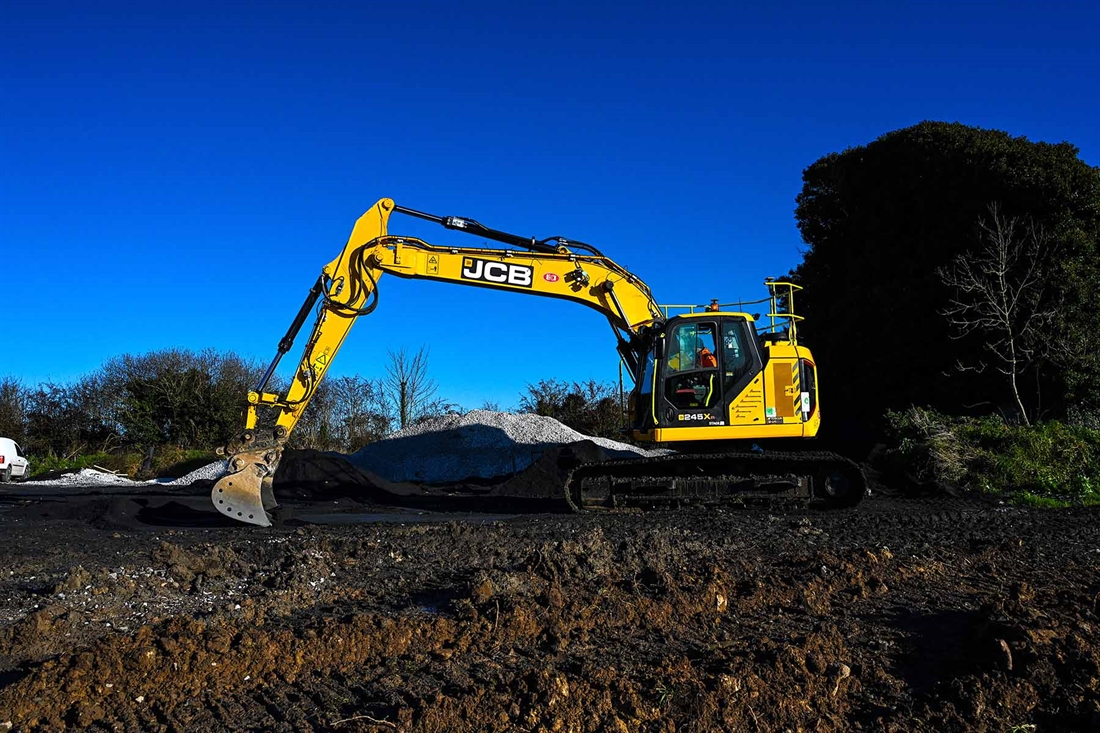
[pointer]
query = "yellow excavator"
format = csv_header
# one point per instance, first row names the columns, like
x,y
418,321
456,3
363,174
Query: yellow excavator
x,y
736,398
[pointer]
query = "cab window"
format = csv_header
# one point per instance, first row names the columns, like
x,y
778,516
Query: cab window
x,y
644,393
692,346
645,387
736,360
693,381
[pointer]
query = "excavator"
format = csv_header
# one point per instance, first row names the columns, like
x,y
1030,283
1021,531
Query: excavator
x,y
735,398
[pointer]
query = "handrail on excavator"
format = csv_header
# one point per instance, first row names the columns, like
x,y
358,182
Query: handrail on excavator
x,y
778,319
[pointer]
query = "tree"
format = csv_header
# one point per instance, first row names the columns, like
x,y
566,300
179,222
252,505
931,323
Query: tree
x,y
361,411
588,407
545,398
316,429
232,378
62,419
881,220
410,394
999,294
344,414
13,410
178,397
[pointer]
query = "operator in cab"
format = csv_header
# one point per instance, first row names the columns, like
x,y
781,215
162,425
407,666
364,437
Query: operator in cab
x,y
692,351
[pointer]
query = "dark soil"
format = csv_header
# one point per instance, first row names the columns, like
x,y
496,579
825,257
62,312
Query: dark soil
x,y
135,612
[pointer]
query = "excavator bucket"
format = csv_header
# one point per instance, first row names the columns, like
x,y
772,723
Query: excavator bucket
x,y
244,493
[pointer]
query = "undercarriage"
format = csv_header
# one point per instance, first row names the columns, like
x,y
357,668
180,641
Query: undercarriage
x,y
710,479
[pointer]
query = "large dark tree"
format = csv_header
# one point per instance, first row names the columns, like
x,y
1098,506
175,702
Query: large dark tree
x,y
881,219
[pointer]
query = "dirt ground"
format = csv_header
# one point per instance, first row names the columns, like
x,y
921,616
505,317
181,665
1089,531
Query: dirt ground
x,y
124,610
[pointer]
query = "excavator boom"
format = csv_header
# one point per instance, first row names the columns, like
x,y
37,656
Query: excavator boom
x,y
348,288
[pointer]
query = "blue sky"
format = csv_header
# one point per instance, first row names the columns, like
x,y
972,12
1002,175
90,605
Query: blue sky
x,y
174,174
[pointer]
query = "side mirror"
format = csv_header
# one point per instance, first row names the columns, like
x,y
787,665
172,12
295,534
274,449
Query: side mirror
x,y
659,348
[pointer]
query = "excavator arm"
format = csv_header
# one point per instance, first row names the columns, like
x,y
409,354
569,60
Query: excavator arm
x,y
347,288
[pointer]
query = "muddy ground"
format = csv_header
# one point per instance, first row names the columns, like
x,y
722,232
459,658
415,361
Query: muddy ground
x,y
134,611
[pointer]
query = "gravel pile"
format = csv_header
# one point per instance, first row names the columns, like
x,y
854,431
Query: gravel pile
x,y
480,444
87,477
212,472
90,477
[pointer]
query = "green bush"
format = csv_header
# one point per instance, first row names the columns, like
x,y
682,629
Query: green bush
x,y
1045,464
588,407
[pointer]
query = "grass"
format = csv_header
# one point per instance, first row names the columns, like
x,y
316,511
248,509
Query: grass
x,y
46,464
665,693
1049,464
1026,498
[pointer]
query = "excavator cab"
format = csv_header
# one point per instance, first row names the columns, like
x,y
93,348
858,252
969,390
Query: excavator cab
x,y
713,375
692,369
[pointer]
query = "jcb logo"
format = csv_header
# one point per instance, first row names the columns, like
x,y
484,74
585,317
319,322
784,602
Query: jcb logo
x,y
497,272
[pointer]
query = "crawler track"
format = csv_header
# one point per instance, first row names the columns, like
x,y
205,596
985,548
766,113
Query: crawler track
x,y
714,479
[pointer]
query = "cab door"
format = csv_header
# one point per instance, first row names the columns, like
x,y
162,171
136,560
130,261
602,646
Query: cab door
x,y
691,380
742,363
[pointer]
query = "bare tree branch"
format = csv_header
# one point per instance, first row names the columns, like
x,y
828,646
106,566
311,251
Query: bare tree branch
x,y
409,390
1000,296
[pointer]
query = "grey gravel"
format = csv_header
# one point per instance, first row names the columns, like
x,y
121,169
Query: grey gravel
x,y
212,471
86,477
91,477
478,444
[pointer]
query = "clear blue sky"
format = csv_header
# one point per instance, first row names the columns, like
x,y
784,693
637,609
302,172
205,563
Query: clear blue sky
x,y
174,174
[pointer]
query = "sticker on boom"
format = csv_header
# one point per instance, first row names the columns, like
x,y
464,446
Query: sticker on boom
x,y
500,273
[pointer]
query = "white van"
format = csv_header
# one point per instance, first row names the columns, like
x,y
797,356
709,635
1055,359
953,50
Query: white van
x,y
13,464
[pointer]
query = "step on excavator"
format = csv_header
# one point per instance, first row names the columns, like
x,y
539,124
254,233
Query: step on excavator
x,y
734,396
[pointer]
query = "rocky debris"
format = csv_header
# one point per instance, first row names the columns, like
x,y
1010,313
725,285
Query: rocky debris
x,y
479,444
1004,655
87,477
92,477
209,472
